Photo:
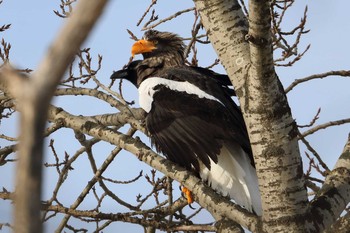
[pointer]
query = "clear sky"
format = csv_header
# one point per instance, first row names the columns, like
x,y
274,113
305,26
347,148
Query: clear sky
x,y
34,25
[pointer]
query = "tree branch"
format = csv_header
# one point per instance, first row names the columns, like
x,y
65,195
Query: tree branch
x,y
334,195
341,225
227,27
272,130
205,196
324,126
34,96
168,18
342,73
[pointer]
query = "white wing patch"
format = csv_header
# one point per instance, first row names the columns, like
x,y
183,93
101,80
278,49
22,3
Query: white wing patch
x,y
146,90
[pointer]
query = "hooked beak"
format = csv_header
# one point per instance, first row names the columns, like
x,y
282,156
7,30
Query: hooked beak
x,y
142,46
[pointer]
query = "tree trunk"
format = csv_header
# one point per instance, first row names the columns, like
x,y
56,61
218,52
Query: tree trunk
x,y
246,53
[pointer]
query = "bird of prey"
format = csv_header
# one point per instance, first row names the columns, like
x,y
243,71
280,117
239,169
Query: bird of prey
x,y
192,119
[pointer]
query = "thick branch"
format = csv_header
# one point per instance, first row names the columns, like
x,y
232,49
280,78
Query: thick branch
x,y
271,128
341,225
91,92
334,195
227,27
273,132
131,217
206,197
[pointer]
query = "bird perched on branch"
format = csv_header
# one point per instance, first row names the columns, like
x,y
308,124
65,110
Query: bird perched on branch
x,y
192,119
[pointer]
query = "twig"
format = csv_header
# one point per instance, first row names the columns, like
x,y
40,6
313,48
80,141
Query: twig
x,y
132,35
324,126
313,121
124,182
195,31
169,18
110,91
341,73
146,12
313,151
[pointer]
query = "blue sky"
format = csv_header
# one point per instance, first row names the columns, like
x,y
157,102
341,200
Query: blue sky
x,y
34,25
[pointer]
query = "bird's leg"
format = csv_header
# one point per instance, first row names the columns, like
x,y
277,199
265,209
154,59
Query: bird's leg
x,y
188,195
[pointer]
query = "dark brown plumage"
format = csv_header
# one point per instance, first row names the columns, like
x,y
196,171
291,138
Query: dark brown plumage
x,y
191,117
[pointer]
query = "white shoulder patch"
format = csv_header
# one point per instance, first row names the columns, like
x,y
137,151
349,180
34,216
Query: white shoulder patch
x,y
146,90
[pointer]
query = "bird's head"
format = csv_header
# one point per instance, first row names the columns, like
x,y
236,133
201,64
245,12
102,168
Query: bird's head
x,y
128,73
155,43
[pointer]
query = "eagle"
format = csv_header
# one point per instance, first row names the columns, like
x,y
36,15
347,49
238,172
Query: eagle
x,y
192,118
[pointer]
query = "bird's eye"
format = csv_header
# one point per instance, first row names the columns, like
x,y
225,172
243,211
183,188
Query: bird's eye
x,y
155,42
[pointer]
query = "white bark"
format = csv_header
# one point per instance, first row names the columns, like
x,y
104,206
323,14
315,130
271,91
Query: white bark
x,y
246,53
333,197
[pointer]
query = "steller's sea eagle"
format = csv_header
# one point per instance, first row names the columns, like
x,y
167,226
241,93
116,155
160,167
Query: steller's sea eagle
x,y
191,118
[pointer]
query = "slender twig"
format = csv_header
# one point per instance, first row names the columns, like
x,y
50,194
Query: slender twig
x,y
125,181
325,125
169,18
146,12
313,121
195,31
313,151
341,73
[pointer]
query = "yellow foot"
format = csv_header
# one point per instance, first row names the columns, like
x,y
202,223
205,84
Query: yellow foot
x,y
188,195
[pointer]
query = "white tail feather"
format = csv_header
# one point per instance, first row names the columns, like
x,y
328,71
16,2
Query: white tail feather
x,y
234,176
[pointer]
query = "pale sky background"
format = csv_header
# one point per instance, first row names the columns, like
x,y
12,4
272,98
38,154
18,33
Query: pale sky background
x,y
34,25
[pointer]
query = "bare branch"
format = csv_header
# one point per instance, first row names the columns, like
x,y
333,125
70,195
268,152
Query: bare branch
x,y
342,73
146,12
195,30
314,152
205,195
6,151
325,125
5,27
313,121
65,4
334,194
282,39
67,166
341,225
132,35
169,18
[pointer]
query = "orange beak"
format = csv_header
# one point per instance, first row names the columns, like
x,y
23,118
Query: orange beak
x,y
142,46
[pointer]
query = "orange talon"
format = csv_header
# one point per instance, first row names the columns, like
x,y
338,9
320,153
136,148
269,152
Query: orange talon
x,y
188,195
